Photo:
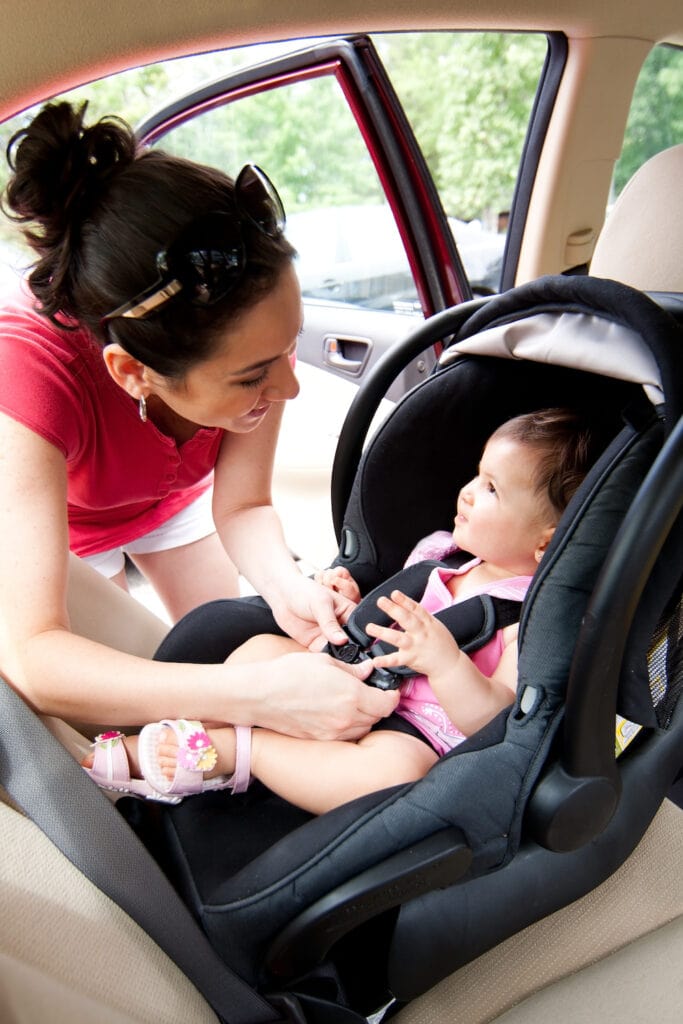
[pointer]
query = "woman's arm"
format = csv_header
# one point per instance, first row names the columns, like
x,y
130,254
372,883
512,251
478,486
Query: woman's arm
x,y
253,537
62,674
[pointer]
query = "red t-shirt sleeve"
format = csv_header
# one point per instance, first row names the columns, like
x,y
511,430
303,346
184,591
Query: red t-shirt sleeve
x,y
41,380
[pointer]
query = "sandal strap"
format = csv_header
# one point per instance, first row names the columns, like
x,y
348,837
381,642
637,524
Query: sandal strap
x,y
241,777
110,763
111,769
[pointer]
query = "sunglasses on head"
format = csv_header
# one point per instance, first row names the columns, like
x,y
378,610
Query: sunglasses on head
x,y
208,257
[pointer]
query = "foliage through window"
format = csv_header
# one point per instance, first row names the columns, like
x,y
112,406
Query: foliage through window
x,y
656,116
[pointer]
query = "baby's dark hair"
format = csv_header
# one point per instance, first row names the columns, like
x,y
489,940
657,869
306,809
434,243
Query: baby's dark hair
x,y
97,209
567,447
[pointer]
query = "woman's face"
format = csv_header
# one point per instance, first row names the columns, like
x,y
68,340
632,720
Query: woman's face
x,y
250,371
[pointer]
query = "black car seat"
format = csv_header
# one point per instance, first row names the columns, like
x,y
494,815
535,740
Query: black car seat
x,y
574,961
385,897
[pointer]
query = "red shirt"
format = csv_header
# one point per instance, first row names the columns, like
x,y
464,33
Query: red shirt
x,y
125,477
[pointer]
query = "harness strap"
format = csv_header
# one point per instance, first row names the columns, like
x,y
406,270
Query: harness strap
x,y
471,623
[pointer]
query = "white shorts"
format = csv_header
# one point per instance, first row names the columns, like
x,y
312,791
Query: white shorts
x,y
191,524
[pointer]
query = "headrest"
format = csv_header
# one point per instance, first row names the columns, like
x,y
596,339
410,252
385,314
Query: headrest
x,y
641,243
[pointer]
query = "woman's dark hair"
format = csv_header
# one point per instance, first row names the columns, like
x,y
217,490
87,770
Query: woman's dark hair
x,y
97,209
567,447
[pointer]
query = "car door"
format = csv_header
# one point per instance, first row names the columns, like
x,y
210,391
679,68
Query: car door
x,y
376,250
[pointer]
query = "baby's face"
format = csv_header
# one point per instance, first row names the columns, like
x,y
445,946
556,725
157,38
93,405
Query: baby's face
x,y
499,517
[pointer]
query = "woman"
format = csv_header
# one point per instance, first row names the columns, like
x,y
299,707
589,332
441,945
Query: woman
x,y
157,345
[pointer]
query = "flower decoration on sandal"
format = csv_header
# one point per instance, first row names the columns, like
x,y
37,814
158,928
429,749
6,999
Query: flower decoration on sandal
x,y
111,737
197,754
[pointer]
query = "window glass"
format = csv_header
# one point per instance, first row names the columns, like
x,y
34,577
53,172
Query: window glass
x,y
469,98
307,140
655,119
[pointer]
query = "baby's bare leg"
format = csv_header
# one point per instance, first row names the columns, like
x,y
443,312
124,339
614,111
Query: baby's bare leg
x,y
262,648
319,775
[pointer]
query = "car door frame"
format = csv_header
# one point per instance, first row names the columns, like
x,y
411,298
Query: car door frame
x,y
439,275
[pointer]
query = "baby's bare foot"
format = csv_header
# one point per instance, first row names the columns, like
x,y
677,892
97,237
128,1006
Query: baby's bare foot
x,y
218,755
167,753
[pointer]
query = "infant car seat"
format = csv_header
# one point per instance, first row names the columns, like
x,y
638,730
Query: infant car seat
x,y
373,903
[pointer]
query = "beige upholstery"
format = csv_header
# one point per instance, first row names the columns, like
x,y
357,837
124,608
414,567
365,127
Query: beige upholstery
x,y
68,954
641,243
597,992
102,611
644,895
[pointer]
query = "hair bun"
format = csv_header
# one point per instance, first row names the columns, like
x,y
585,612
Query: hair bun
x,y
61,168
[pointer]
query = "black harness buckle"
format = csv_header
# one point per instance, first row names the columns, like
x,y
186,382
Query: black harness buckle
x,y
351,653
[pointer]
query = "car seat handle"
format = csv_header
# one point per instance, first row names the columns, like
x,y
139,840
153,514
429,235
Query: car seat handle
x,y
436,862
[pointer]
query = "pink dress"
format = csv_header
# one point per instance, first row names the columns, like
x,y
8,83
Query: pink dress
x,y
418,703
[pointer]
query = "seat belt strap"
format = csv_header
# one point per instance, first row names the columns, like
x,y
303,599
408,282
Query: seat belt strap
x,y
82,823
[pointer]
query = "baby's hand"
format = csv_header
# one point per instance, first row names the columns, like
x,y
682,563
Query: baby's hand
x,y
340,580
423,643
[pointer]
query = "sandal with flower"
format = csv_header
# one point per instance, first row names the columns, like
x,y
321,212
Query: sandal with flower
x,y
196,755
111,770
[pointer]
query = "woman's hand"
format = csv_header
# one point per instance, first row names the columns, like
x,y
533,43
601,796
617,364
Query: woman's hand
x,y
313,613
315,697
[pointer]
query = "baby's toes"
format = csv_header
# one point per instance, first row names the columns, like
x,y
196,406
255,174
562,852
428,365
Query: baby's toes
x,y
168,767
167,753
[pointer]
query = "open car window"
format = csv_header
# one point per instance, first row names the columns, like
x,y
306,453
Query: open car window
x,y
344,129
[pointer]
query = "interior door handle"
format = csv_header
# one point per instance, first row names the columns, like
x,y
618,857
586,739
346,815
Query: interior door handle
x,y
347,354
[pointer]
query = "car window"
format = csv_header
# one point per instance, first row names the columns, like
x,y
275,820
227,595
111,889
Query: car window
x,y
469,97
471,122
305,137
655,120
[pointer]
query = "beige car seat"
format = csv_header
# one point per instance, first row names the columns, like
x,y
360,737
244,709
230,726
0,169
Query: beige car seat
x,y
641,243
67,952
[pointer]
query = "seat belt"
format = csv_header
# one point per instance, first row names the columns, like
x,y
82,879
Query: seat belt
x,y
89,831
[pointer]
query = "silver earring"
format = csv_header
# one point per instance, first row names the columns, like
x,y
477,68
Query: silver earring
x,y
142,408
